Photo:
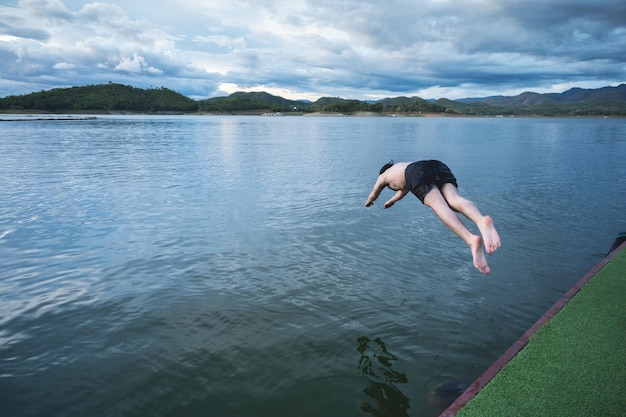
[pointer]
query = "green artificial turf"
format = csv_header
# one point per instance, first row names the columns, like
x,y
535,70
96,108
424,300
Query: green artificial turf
x,y
574,365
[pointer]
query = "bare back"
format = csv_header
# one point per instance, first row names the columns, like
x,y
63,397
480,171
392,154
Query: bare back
x,y
394,176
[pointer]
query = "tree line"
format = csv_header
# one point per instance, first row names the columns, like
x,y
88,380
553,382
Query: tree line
x,y
104,97
113,97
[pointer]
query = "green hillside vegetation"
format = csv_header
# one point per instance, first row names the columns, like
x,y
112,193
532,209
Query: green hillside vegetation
x,y
572,96
606,101
267,102
104,97
411,105
338,105
544,109
111,97
240,101
458,107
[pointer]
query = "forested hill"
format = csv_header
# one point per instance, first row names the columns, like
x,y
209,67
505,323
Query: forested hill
x,y
121,98
576,101
103,97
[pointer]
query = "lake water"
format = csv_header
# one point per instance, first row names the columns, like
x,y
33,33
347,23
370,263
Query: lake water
x,y
226,266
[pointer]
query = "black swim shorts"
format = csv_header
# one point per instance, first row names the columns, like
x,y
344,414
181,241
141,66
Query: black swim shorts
x,y
422,176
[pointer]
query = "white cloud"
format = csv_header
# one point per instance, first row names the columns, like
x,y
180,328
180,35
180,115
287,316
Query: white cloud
x,y
222,41
64,66
136,64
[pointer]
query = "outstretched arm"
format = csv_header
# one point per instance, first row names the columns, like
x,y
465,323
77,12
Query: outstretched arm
x,y
397,196
378,187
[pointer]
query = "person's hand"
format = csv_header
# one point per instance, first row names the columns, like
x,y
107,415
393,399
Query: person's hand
x,y
389,204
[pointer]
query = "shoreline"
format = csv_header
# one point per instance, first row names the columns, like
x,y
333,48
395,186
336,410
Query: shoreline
x,y
39,118
42,115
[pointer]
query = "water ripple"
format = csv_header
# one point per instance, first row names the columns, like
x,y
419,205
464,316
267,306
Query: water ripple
x,y
227,266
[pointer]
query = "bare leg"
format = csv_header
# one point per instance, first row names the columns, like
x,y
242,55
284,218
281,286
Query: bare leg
x,y
436,201
469,210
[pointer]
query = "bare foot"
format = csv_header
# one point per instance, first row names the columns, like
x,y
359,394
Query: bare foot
x,y
489,234
480,261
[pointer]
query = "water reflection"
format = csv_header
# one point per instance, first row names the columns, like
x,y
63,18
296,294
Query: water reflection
x,y
375,365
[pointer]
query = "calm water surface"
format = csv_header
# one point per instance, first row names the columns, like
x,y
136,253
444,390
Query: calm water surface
x,y
226,266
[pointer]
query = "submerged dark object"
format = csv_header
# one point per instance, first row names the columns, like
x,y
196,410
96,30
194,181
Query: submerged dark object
x,y
621,238
443,395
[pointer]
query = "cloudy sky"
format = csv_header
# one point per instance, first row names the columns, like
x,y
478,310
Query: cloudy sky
x,y
305,49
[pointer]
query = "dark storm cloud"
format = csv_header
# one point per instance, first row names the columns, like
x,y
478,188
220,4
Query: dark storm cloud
x,y
307,48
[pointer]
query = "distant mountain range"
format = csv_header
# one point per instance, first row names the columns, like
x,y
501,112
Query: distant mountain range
x,y
576,101
120,98
572,96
